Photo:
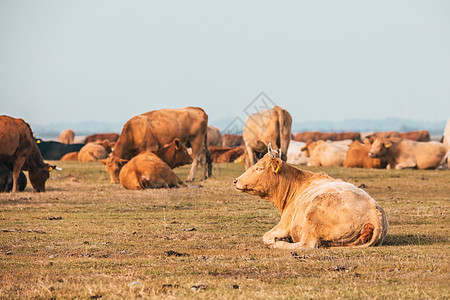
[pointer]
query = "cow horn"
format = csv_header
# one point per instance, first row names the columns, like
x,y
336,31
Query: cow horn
x,y
270,150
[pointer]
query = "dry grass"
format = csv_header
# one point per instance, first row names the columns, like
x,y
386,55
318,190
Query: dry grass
x,y
85,238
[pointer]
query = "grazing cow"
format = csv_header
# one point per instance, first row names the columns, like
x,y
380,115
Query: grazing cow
x,y
6,180
72,156
316,210
54,151
214,137
404,154
66,136
230,155
295,155
157,128
152,169
98,137
92,152
18,151
418,135
327,154
358,157
267,126
232,140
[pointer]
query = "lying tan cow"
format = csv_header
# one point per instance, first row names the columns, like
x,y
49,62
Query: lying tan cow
x,y
407,154
316,210
71,156
148,171
92,152
327,154
267,126
153,169
358,157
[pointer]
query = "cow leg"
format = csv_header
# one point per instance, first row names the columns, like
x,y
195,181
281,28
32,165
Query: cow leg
x,y
198,155
18,164
302,245
251,157
282,230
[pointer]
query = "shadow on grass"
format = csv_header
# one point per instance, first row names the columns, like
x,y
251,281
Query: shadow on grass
x,y
411,239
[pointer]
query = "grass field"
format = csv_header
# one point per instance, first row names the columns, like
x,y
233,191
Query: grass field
x,y
86,238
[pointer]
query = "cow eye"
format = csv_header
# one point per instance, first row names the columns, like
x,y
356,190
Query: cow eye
x,y
259,169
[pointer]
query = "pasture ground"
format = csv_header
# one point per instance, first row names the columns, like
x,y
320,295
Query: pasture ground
x,y
87,239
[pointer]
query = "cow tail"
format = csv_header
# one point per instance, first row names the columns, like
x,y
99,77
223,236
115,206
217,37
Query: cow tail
x,y
374,231
283,126
208,153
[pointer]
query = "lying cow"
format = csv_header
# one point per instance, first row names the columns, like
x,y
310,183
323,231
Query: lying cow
x,y
230,155
6,180
407,154
358,157
153,169
295,155
72,156
327,154
92,152
316,210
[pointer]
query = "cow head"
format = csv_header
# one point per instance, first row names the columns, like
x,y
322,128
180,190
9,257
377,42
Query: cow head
x,y
174,154
39,175
262,177
113,166
380,147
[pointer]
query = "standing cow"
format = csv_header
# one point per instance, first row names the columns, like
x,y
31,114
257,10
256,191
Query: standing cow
x,y
66,136
157,128
267,126
19,151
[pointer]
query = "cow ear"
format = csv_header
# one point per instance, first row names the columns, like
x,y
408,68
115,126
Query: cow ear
x,y
387,144
276,165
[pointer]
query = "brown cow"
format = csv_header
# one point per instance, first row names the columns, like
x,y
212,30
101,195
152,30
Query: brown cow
x,y
66,136
214,137
316,210
358,157
71,156
418,135
19,151
267,126
232,140
317,136
148,171
218,151
92,152
152,169
403,154
98,137
157,128
230,155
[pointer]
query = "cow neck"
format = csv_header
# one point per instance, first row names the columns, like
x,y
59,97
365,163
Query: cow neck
x,y
161,153
390,157
34,159
290,183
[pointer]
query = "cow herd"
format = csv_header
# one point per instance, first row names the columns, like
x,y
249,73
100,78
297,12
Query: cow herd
x,y
316,210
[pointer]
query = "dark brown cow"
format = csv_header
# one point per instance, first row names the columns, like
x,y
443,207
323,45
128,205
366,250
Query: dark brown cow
x,y
418,135
19,151
157,128
6,180
232,140
358,157
98,137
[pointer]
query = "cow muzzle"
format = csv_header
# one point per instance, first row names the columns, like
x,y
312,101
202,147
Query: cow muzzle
x,y
372,155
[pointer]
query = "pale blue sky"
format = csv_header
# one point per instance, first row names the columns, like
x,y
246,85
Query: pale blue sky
x,y
70,61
